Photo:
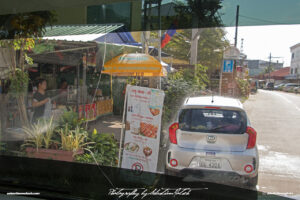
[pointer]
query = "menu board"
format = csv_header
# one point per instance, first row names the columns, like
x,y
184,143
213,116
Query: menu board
x,y
142,129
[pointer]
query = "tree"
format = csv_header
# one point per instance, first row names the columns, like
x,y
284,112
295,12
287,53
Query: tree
x,y
180,85
268,69
210,47
196,14
18,37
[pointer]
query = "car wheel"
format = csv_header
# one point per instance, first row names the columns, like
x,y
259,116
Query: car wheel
x,y
252,182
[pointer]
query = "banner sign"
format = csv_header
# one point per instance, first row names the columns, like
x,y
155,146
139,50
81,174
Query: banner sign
x,y
89,112
142,129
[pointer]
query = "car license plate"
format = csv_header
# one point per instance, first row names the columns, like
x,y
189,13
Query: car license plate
x,y
210,163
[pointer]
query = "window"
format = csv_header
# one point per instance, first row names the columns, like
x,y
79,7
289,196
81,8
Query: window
x,y
109,13
212,121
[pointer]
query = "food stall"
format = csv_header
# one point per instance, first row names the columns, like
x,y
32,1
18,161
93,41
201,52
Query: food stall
x,y
134,64
76,65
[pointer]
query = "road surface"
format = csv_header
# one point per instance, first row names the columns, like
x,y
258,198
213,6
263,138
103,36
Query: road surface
x,y
276,117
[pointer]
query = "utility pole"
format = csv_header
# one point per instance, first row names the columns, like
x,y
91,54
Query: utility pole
x,y
159,38
242,45
194,41
149,5
235,44
269,70
236,24
269,67
159,31
194,47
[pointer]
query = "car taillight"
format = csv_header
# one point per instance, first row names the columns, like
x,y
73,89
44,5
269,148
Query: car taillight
x,y
173,163
252,137
210,107
248,168
172,133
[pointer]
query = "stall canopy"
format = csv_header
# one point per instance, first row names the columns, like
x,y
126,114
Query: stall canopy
x,y
65,44
134,64
109,33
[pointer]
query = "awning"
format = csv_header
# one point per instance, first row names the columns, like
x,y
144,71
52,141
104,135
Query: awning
x,y
109,33
134,64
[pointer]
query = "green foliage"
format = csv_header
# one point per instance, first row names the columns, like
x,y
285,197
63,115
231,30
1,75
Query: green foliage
x,y
244,86
199,13
73,140
132,81
201,77
180,85
70,118
86,158
21,30
268,70
19,82
118,95
175,92
211,44
22,25
49,134
39,134
104,149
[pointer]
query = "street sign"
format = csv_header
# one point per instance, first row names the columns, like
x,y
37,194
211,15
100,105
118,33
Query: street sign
x,y
228,66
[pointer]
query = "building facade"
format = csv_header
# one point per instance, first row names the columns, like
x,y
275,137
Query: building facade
x,y
295,62
257,67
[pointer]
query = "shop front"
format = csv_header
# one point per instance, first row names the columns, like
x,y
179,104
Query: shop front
x,y
72,79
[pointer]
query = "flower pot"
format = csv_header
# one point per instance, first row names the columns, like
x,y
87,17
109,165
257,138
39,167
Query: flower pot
x,y
52,154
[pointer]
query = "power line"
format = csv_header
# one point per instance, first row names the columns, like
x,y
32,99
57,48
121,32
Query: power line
x,y
231,23
261,20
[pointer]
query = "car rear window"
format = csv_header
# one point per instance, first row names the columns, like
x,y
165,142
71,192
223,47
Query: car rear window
x,y
213,121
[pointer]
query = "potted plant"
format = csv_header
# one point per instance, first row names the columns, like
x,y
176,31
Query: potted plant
x,y
73,141
104,150
35,134
41,144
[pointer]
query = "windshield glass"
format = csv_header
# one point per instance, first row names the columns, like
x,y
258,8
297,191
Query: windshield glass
x,y
212,121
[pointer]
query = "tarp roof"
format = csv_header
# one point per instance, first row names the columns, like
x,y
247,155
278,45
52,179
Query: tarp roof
x,y
67,38
63,30
110,33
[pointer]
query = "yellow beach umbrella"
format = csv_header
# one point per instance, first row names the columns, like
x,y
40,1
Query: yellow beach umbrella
x,y
133,64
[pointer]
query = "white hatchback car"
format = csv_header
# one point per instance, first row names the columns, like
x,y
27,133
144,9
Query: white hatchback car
x,y
213,134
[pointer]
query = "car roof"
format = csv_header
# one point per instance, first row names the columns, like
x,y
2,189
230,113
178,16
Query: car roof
x,y
217,101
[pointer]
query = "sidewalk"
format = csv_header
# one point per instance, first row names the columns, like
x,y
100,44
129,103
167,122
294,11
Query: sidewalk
x,y
108,124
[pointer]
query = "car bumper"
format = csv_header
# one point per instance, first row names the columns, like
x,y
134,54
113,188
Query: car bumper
x,y
232,162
